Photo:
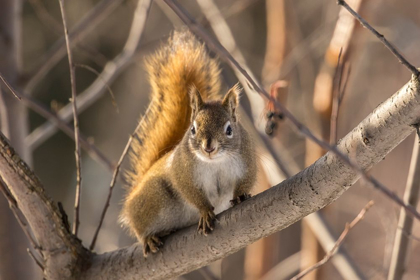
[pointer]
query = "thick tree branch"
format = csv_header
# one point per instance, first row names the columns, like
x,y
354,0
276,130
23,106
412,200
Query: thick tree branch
x,y
64,255
277,208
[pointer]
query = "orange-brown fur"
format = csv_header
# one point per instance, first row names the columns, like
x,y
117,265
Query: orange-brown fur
x,y
172,70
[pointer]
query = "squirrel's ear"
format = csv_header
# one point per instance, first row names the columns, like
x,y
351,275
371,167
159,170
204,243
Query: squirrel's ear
x,y
196,101
231,100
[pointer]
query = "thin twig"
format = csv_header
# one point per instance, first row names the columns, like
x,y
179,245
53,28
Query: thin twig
x,y
111,93
347,72
9,86
224,54
16,212
110,72
49,21
113,181
405,223
382,38
76,122
336,99
39,108
78,33
137,27
37,261
340,240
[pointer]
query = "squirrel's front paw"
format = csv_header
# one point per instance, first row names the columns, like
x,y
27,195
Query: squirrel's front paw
x,y
152,244
206,223
239,199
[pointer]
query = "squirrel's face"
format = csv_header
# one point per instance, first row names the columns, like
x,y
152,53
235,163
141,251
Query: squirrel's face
x,y
214,134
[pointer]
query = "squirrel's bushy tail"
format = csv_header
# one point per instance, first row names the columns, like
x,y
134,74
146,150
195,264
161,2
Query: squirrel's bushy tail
x,y
176,66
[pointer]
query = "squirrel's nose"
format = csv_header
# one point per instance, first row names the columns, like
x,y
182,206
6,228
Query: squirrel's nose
x,y
208,145
209,150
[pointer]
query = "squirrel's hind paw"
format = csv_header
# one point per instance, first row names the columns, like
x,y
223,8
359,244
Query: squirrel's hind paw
x,y
206,223
240,198
152,244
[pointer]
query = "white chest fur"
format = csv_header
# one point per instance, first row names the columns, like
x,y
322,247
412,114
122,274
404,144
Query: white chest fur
x,y
218,180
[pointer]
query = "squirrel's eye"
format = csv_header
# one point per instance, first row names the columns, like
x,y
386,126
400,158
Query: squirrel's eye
x,y
229,131
193,130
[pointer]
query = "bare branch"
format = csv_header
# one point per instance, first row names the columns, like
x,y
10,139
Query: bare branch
x,y
43,111
111,93
278,207
337,96
78,33
224,54
139,22
405,223
36,259
110,72
16,212
75,121
340,240
62,252
382,38
9,87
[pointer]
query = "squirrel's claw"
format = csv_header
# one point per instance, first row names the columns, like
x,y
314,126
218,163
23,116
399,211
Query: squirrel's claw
x,y
240,198
151,244
206,223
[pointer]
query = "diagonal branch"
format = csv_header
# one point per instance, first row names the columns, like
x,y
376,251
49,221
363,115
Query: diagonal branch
x,y
277,208
337,245
39,108
86,98
77,33
382,38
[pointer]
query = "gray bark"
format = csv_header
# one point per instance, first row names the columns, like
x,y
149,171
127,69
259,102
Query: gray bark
x,y
63,254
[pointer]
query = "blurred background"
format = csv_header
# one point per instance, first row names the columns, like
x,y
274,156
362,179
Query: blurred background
x,y
296,42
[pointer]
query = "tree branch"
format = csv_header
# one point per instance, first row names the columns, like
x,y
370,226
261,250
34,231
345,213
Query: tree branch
x,y
90,95
64,255
381,37
405,223
277,208
39,108
78,33
337,245
75,121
